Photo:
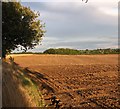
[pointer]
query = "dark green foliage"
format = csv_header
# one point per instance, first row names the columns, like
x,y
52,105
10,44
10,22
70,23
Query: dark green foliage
x,y
20,27
68,51
50,51
61,51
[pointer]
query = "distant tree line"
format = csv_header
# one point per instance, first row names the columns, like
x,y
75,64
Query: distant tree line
x,y
67,51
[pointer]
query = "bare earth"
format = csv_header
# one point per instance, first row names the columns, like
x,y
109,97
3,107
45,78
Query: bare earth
x,y
77,80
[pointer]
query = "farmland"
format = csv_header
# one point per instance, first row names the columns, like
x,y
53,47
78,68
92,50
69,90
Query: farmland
x,y
77,80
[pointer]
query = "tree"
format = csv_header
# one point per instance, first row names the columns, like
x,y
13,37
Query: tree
x,y
20,27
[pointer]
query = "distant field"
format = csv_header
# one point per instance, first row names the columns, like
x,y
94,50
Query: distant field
x,y
77,80
36,60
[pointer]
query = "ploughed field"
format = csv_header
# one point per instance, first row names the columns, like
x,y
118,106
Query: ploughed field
x,y
77,80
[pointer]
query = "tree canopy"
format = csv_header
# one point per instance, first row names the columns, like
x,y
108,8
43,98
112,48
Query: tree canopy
x,y
20,27
68,51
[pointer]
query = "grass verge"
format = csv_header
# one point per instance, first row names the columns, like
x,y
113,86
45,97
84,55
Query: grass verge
x,y
18,89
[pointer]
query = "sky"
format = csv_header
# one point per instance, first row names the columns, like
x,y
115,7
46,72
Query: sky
x,y
77,24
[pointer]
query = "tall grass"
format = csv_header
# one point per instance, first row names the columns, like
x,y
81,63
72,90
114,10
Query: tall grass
x,y
29,86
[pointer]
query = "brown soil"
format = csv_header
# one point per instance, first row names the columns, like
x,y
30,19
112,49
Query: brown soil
x,y
77,80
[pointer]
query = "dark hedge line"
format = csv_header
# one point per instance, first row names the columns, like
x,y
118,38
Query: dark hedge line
x,y
68,51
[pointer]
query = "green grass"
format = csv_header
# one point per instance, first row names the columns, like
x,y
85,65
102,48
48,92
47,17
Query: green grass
x,y
29,85
32,89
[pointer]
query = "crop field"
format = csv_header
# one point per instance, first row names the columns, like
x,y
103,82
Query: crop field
x,y
85,81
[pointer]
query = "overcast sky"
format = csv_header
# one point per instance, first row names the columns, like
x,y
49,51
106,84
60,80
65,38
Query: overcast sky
x,y
77,24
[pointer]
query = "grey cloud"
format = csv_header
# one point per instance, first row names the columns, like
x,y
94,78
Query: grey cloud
x,y
66,22
83,43
77,45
